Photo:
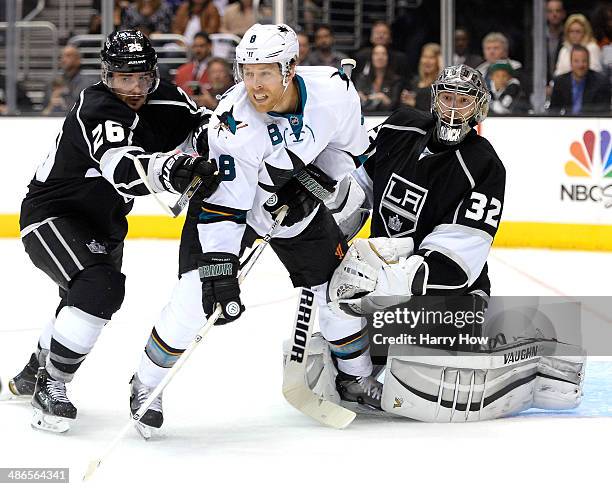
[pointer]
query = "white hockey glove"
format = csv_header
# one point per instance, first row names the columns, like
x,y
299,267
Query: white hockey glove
x,y
375,274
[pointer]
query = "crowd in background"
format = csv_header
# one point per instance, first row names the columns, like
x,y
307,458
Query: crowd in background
x,y
391,70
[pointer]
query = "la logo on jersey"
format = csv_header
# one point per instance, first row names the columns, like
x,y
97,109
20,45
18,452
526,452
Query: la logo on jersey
x,y
401,205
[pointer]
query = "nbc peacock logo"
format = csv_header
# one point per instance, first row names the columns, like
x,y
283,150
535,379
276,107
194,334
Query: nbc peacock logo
x,y
592,159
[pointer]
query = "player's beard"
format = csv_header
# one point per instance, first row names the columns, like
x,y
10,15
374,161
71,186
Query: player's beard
x,y
133,102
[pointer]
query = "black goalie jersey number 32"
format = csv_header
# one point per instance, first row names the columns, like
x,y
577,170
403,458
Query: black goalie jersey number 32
x,y
484,208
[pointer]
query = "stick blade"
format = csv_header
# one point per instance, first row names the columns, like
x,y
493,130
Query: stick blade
x,y
91,468
314,406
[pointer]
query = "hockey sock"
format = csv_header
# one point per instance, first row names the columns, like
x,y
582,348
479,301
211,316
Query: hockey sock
x,y
74,336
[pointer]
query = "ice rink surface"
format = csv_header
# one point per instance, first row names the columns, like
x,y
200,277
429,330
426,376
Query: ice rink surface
x,y
228,425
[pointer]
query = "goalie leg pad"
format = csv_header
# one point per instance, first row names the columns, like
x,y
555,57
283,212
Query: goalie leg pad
x,y
432,389
559,384
320,370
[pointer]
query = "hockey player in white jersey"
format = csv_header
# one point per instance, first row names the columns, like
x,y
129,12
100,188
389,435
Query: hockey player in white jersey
x,y
277,121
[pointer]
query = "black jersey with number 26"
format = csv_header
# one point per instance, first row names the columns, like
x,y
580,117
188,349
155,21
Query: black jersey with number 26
x,y
90,172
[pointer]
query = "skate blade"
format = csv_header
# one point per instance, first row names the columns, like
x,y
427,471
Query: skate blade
x,y
48,422
143,430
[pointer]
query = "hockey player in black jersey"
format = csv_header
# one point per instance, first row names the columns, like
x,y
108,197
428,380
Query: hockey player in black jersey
x,y
73,219
436,190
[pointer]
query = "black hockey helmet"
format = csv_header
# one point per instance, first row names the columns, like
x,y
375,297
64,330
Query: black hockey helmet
x,y
129,51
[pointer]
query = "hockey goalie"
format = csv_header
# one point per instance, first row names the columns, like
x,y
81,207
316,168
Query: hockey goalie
x,y
435,189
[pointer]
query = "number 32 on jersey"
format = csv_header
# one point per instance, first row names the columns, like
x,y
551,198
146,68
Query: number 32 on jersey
x,y
483,207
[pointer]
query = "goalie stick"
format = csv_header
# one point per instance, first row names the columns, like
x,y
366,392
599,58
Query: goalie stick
x,y
95,463
295,386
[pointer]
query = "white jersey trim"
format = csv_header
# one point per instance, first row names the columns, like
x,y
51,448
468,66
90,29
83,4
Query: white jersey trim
x,y
463,165
404,128
467,247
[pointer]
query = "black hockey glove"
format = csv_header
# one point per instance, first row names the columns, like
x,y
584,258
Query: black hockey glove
x,y
219,276
301,194
180,169
200,136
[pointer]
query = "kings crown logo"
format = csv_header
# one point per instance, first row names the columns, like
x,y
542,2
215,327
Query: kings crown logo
x,y
591,158
96,247
395,223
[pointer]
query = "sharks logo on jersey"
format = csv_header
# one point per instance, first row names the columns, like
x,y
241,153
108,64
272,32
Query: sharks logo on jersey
x,y
227,122
401,205
343,76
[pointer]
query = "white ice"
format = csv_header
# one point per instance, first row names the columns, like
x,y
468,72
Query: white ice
x,y
227,424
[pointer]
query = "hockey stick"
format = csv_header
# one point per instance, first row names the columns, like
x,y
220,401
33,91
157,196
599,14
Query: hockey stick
x,y
95,463
295,386
183,200
348,64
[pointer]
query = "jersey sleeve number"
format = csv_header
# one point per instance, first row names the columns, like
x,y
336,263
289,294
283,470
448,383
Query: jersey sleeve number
x,y
275,134
227,168
480,206
113,132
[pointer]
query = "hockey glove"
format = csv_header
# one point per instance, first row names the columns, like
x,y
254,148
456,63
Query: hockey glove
x,y
200,136
301,194
219,276
180,169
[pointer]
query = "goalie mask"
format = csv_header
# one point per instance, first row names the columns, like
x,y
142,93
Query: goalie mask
x,y
459,100
129,64
267,44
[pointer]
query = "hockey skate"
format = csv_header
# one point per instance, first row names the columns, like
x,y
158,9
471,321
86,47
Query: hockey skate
x,y
154,416
363,393
52,409
22,385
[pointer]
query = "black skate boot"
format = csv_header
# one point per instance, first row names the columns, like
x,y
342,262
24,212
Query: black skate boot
x,y
365,391
154,416
52,408
23,383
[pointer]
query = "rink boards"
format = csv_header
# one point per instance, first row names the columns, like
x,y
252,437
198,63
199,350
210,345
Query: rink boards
x,y
558,191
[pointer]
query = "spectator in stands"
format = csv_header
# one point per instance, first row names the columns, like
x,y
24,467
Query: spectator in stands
x,y
74,80
380,89
156,13
191,76
238,17
324,53
57,102
196,16
555,17
95,22
578,31
380,35
304,43
506,91
219,81
494,48
24,104
582,90
462,55
602,23
418,92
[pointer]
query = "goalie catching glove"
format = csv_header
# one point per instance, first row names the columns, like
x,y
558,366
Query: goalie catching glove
x,y
302,194
375,274
219,276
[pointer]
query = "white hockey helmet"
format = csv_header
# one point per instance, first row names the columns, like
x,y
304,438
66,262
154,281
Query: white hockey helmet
x,y
272,43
